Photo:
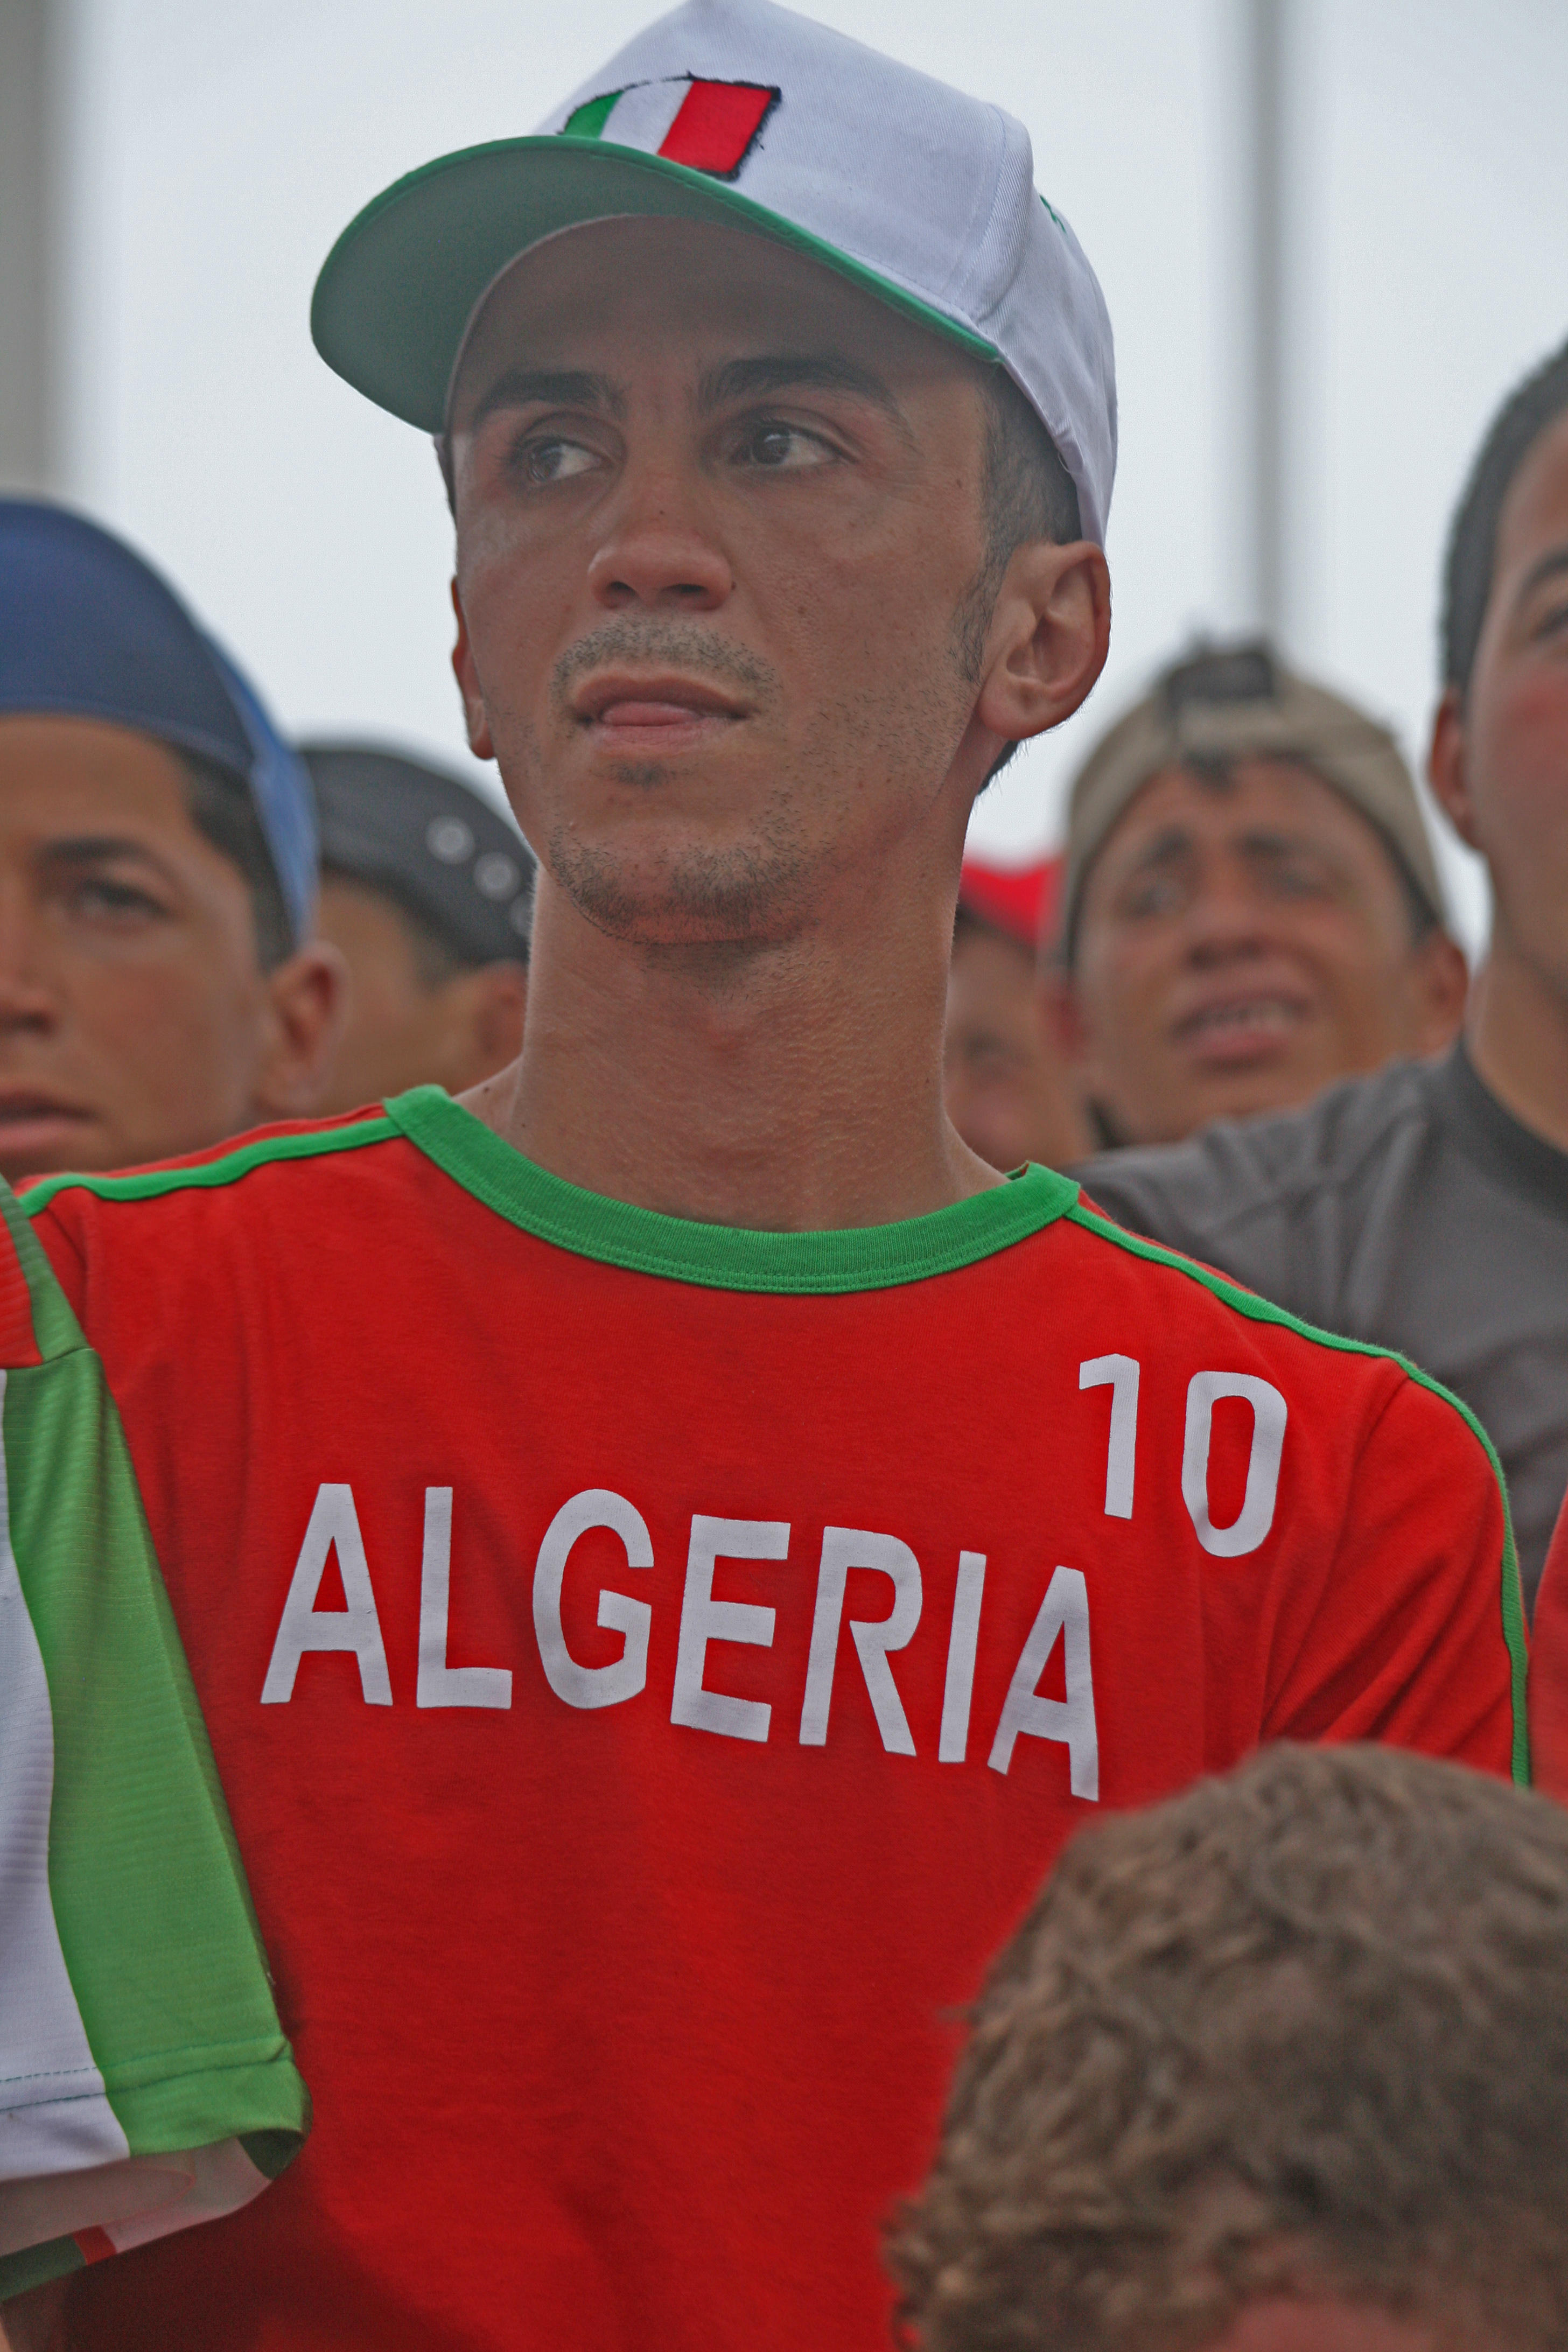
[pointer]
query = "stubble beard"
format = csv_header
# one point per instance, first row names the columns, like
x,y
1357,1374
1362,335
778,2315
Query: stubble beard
x,y
760,890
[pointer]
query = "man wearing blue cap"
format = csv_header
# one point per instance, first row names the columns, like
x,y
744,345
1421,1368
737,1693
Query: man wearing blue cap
x,y
693,1539
159,989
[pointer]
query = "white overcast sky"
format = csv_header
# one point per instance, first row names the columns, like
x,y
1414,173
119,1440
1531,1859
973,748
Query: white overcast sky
x,y
216,147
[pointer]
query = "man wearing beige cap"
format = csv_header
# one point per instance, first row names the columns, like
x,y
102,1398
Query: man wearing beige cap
x,y
1250,908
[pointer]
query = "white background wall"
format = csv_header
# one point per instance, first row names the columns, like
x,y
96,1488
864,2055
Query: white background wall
x,y
214,148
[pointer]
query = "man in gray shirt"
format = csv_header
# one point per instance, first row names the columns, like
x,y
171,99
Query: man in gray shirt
x,y
1426,1208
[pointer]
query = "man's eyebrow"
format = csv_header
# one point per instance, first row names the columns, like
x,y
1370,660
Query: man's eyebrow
x,y
1260,841
780,371
1547,568
550,388
1173,841
92,848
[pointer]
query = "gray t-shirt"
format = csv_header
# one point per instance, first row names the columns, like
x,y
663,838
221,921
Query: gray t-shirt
x,y
1410,1209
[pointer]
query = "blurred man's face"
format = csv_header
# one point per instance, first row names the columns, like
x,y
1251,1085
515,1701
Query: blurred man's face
x,y
1243,943
401,1028
135,1022
1507,788
718,513
1006,1090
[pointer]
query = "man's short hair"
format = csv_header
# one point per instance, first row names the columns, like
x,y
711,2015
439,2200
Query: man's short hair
x,y
1300,2032
1528,412
1026,493
1029,494
222,810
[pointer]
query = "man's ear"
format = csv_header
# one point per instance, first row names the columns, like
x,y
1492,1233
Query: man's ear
x,y
1063,1016
1049,634
1441,979
1446,768
496,1003
306,1001
467,678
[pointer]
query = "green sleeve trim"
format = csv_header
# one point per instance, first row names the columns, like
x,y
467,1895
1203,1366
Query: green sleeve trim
x,y
1263,1310
209,1175
166,2112
724,1257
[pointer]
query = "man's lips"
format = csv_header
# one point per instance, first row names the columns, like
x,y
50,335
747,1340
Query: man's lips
x,y
23,1106
36,1130
628,704
1236,1029
651,714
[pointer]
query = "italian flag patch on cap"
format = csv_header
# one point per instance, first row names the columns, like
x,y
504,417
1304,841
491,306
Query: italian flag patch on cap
x,y
709,126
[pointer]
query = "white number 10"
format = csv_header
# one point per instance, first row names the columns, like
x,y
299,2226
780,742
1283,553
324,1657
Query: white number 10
x,y
1252,1523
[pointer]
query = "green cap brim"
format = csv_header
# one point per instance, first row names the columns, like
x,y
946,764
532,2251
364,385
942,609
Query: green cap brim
x,y
396,292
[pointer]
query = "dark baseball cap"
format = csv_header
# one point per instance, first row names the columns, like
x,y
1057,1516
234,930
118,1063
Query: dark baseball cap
x,y
88,630
429,841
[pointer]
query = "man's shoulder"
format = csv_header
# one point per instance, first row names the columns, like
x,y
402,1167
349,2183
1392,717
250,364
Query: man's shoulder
x,y
176,1244
1183,1293
1241,1174
299,1151
1187,1304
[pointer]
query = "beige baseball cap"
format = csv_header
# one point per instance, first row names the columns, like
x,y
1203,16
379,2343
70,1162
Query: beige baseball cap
x,y
1230,702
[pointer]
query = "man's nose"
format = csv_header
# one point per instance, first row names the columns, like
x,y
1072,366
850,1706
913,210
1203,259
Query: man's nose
x,y
1228,916
28,1001
660,552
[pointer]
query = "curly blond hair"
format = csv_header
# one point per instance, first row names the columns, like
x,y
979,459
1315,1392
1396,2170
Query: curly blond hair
x,y
1302,2030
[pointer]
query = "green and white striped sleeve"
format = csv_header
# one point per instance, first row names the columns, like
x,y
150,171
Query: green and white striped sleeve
x,y
145,2082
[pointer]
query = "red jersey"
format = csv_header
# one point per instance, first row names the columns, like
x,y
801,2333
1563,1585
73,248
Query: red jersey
x,y
651,1667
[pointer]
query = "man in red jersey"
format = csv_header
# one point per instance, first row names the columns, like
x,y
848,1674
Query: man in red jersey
x,y
668,1547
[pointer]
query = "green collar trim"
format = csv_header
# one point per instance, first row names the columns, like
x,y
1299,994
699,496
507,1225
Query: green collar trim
x,y
722,1257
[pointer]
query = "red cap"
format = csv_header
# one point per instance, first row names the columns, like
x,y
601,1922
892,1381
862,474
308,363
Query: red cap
x,y
1020,901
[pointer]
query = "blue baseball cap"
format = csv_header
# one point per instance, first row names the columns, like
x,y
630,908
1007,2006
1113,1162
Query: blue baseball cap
x,y
87,630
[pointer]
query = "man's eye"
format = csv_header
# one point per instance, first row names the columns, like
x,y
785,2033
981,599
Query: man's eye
x,y
1294,879
1551,623
99,897
1157,894
783,447
553,461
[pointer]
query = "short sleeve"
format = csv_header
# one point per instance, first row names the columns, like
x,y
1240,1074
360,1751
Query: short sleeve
x,y
145,2082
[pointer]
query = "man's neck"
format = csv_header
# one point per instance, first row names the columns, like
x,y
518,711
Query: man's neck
x,y
1517,1033
789,1087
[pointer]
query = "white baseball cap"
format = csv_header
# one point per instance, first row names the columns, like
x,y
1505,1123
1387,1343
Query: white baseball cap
x,y
740,113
